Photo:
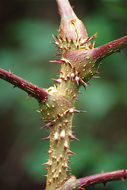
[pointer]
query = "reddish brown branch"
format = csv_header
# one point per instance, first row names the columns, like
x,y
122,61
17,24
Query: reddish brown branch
x,y
102,178
39,93
105,50
65,9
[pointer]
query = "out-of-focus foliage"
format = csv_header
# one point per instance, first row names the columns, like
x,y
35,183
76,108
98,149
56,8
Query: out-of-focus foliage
x,y
25,49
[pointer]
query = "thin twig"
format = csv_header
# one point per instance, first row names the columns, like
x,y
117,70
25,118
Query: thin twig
x,y
39,93
105,50
102,178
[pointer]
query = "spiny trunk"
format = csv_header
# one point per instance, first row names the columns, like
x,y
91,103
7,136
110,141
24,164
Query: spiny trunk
x,y
59,111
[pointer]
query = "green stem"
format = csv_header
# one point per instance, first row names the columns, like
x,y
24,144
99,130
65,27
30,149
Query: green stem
x,y
61,131
59,153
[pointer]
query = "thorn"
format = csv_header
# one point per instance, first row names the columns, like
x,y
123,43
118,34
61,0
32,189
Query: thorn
x,y
91,46
72,75
70,152
56,136
89,83
38,111
96,77
63,78
59,126
54,36
56,61
66,121
92,37
52,122
60,157
29,95
10,73
59,115
71,110
70,155
57,80
49,163
64,166
62,134
68,170
67,40
109,46
73,137
77,79
74,96
49,151
60,171
72,41
53,157
79,92
68,76
76,111
46,138
44,175
60,38
66,145
22,85
66,61
46,126
54,42
49,181
83,83
45,168
96,72
61,71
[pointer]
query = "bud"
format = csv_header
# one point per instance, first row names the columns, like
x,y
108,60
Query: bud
x,y
72,32
72,29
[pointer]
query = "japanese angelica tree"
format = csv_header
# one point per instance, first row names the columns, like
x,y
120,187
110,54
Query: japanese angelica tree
x,y
79,62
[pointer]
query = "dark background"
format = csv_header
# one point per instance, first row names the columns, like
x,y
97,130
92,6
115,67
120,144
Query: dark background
x,y
26,28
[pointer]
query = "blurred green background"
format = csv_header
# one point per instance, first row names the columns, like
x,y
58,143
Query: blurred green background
x,y
26,28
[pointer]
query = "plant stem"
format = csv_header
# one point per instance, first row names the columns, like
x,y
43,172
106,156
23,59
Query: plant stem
x,y
61,132
92,180
39,93
59,153
103,51
102,178
65,10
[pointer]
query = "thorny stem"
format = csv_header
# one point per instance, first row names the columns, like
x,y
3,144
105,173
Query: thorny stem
x,y
105,50
92,180
102,178
39,93
79,63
